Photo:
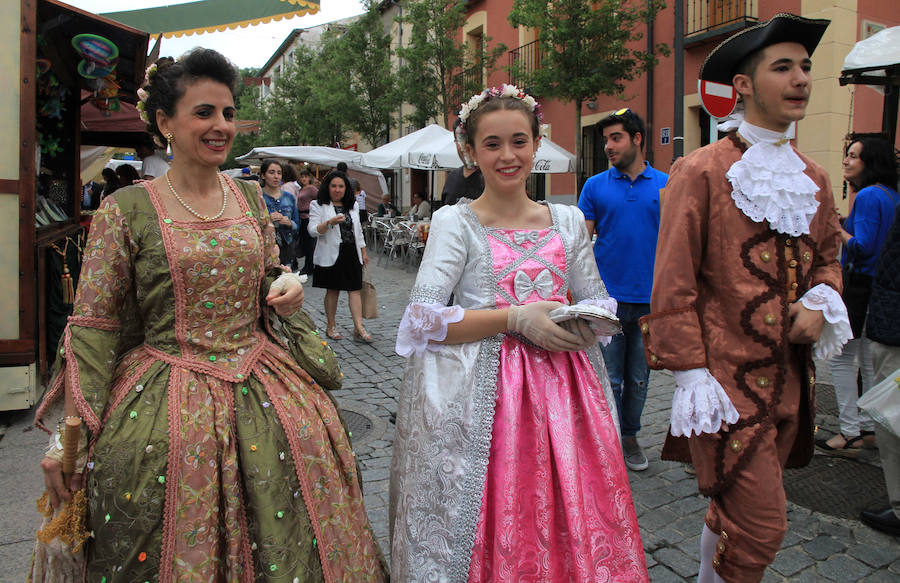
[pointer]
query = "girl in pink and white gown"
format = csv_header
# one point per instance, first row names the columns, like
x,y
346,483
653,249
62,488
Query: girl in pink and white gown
x,y
507,462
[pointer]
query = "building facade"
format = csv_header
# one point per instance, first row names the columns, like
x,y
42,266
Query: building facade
x,y
833,110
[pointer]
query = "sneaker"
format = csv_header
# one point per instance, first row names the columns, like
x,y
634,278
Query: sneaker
x,y
634,455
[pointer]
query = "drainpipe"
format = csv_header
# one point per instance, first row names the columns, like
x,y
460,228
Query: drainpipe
x,y
648,142
678,121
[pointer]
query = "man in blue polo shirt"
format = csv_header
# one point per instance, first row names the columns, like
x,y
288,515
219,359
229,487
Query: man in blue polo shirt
x,y
622,205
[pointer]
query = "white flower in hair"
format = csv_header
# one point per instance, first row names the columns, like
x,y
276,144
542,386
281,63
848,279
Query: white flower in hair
x,y
509,91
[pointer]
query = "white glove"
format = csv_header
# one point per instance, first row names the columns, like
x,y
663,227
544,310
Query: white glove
x,y
533,322
700,404
583,329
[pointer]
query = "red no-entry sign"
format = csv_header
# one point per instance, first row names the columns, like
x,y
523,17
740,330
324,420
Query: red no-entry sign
x,y
718,99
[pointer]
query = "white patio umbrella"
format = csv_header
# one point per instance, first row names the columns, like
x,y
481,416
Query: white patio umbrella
x,y
324,156
312,154
442,155
396,154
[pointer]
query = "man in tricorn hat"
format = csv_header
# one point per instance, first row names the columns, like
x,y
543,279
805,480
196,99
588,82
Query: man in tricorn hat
x,y
746,290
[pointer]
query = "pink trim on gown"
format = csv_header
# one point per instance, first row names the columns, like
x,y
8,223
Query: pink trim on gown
x,y
557,503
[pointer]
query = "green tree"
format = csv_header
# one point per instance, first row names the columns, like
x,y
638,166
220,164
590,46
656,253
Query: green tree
x,y
439,71
300,110
586,49
365,52
247,104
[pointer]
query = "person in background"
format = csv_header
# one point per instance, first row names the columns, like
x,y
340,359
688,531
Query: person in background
x,y
247,174
111,182
466,181
307,244
127,175
360,200
340,251
746,290
282,208
870,168
154,163
213,455
386,208
622,206
420,209
289,179
883,330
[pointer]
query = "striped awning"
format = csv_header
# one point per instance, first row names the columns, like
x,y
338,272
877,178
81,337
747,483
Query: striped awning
x,y
211,15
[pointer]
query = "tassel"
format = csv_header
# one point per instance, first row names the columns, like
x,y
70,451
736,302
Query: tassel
x,y
68,288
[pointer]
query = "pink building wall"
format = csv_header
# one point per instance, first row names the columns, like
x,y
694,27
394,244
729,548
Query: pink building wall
x,y
867,109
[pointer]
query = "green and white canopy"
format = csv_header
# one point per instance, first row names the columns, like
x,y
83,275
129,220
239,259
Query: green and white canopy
x,y
211,15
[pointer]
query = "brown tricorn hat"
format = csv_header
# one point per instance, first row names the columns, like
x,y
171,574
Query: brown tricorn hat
x,y
722,63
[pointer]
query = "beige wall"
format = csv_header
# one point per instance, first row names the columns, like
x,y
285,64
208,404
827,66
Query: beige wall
x,y
9,170
9,104
820,135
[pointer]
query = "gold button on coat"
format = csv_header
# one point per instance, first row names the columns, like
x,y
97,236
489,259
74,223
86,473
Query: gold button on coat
x,y
765,256
721,547
795,285
789,242
736,446
654,359
812,380
770,319
793,263
807,256
645,328
762,382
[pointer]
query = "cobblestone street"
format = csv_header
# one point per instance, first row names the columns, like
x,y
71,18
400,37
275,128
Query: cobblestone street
x,y
818,546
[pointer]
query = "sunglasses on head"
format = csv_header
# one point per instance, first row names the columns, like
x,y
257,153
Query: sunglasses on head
x,y
624,112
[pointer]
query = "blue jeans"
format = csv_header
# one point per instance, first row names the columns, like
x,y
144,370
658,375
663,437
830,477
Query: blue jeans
x,y
627,367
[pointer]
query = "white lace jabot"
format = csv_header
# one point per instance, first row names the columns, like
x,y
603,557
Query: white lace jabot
x,y
768,182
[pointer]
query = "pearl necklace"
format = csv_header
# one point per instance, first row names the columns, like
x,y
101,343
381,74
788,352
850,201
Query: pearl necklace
x,y
191,210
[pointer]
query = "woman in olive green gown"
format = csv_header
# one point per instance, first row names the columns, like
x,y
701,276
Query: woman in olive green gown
x,y
212,456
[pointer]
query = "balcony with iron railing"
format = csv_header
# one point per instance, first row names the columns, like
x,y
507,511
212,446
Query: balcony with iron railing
x,y
466,83
706,20
522,63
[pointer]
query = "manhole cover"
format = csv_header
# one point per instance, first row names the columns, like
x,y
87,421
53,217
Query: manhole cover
x,y
358,425
836,486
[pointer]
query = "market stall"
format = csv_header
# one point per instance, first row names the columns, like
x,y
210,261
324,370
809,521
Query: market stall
x,y
68,64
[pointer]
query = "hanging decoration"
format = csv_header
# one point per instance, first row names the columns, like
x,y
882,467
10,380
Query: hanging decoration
x,y
66,283
99,55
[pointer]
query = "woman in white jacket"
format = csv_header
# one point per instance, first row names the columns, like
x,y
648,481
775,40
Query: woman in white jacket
x,y
340,250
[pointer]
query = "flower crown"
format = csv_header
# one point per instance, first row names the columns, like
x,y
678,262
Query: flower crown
x,y
505,90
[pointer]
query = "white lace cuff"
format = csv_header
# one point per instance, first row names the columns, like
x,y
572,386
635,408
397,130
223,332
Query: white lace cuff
x,y
608,303
424,324
837,330
700,404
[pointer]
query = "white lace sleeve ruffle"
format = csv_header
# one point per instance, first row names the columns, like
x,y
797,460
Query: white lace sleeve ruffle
x,y
768,183
424,324
837,330
607,303
700,404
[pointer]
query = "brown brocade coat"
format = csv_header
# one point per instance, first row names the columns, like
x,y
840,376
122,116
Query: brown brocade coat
x,y
721,292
